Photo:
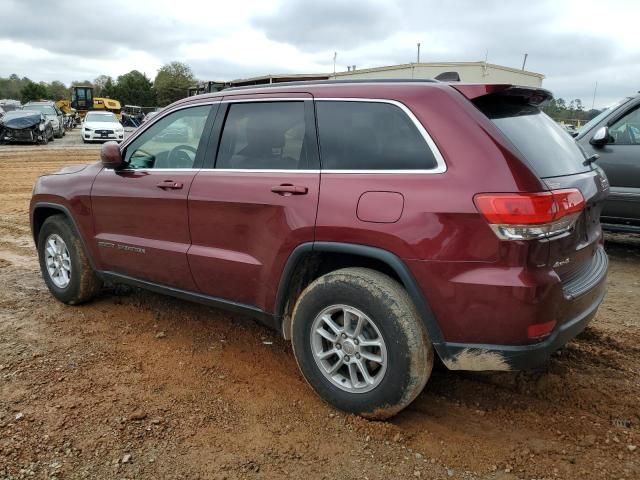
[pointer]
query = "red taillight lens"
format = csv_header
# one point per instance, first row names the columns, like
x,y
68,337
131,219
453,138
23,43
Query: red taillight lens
x,y
521,216
540,330
516,209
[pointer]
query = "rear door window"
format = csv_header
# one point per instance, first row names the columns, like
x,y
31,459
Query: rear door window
x,y
543,143
370,136
264,136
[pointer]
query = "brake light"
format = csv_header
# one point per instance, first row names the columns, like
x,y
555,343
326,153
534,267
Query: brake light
x,y
526,216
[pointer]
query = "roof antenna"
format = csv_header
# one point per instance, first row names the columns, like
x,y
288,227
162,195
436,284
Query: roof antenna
x,y
524,62
418,61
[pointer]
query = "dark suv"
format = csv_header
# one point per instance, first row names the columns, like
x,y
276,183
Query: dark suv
x,y
614,136
372,223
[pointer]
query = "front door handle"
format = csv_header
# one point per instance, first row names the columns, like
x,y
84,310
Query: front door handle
x,y
287,189
169,185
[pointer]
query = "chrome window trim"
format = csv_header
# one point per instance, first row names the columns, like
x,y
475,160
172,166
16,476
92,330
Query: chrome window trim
x,y
441,166
148,170
267,99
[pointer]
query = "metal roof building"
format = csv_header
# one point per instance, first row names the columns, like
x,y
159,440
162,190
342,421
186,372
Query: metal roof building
x,y
471,72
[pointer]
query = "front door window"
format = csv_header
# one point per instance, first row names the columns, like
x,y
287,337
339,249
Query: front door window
x,y
171,142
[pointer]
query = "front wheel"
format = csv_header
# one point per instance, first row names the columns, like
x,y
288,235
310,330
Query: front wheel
x,y
63,262
360,343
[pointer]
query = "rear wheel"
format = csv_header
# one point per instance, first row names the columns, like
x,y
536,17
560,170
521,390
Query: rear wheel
x,y
360,343
64,265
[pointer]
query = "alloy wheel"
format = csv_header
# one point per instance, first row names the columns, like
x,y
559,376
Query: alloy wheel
x,y
348,348
58,261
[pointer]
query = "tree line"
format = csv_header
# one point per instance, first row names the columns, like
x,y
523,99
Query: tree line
x,y
572,112
172,82
134,88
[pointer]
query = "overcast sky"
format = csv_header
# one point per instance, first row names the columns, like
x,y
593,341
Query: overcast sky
x,y
573,43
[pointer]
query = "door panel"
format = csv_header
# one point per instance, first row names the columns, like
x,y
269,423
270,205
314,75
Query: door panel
x,y
620,160
243,233
246,217
141,215
142,230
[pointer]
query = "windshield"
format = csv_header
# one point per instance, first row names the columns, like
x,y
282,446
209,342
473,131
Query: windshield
x,y
594,121
101,117
542,142
46,109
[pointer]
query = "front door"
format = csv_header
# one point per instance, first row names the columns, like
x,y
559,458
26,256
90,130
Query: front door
x,y
140,212
620,159
259,202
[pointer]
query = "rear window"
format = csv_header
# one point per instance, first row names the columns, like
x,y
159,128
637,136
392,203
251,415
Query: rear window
x,y
543,143
370,136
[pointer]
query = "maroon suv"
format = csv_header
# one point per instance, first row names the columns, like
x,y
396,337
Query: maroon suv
x,y
372,223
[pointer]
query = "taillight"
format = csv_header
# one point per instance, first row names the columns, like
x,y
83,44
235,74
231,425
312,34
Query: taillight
x,y
527,216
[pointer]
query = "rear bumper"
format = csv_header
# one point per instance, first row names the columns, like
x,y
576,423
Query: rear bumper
x,y
484,312
469,356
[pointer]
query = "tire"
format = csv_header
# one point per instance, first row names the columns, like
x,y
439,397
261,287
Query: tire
x,y
404,359
83,284
45,139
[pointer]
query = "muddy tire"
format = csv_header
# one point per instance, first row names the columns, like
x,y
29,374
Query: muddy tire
x,y
360,343
64,265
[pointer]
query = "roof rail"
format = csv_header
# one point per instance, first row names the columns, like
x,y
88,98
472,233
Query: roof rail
x,y
332,82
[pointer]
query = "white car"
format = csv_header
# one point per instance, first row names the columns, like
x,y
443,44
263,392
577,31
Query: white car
x,y
101,126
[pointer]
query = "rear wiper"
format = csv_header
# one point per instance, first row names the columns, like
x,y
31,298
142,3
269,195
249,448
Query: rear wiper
x,y
588,161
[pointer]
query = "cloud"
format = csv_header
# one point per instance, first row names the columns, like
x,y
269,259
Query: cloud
x,y
566,41
316,26
88,31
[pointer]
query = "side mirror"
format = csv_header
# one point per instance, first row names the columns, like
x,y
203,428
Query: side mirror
x,y
110,155
601,137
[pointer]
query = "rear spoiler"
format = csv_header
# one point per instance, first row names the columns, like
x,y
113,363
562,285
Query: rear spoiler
x,y
531,95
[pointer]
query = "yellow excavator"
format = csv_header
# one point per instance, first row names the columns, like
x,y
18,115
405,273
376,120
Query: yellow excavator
x,y
82,100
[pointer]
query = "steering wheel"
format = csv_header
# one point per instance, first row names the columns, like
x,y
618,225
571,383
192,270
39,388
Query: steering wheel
x,y
179,158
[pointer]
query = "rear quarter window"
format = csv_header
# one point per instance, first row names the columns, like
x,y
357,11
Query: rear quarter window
x,y
370,136
549,150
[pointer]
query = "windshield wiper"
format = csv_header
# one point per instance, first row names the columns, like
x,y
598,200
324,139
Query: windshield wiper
x,y
588,161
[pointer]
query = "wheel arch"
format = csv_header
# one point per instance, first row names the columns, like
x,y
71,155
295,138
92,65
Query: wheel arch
x,y
305,264
43,210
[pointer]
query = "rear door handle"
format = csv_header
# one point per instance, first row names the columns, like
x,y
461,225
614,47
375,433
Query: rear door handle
x,y
169,185
287,189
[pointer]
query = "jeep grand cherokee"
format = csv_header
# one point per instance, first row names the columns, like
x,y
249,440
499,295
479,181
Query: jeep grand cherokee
x,y
374,224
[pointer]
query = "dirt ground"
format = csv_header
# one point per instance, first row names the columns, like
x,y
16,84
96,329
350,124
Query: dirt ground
x,y
136,385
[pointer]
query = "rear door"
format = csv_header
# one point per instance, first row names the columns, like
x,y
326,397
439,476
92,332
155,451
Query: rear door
x,y
257,200
140,212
